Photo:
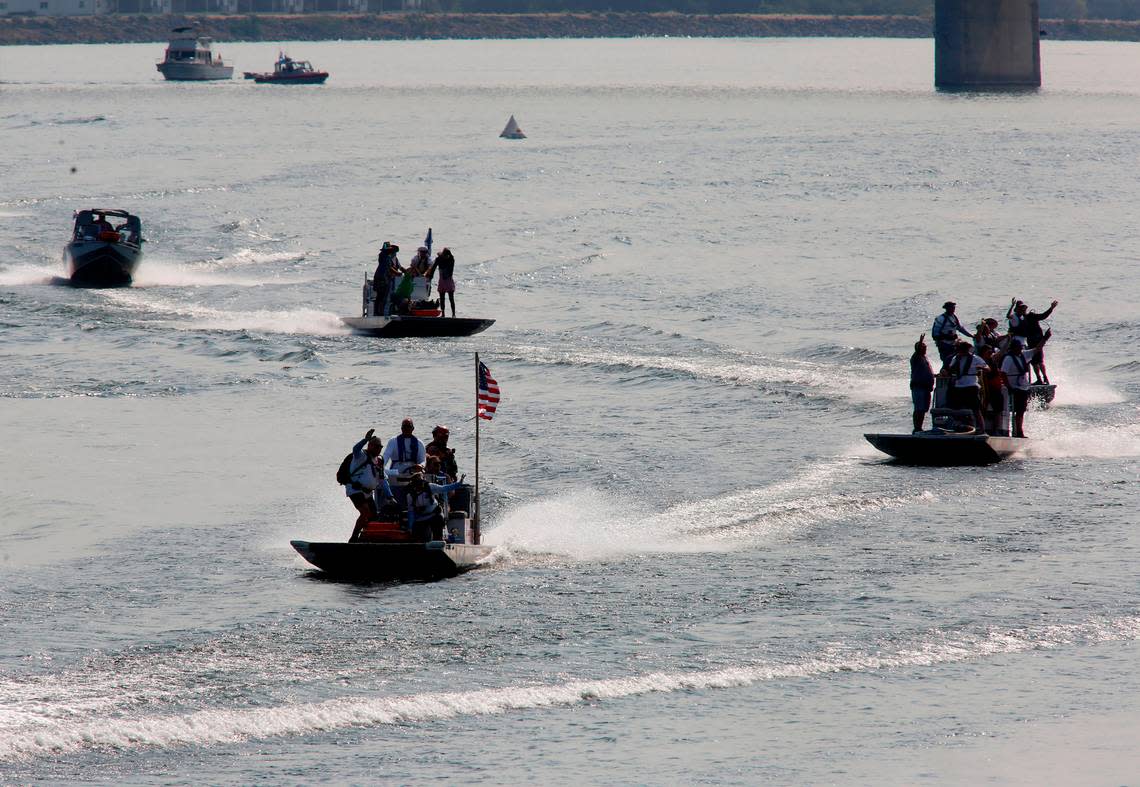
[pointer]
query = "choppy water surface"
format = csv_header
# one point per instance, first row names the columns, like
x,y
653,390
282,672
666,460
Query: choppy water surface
x,y
708,263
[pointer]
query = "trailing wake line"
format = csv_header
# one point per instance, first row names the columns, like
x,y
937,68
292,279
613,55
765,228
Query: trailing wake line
x,y
223,726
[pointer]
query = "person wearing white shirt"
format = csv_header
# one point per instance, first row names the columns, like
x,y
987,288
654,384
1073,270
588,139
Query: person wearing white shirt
x,y
964,368
404,451
366,481
1016,368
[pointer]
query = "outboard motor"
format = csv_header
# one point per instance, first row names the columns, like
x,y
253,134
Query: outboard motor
x,y
942,415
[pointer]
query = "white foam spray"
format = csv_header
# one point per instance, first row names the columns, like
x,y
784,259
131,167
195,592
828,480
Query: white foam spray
x,y
589,524
189,316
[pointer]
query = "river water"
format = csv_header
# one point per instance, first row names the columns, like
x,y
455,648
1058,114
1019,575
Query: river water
x,y
707,265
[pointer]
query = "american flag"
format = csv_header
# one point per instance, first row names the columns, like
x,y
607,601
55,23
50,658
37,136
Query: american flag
x,y
488,392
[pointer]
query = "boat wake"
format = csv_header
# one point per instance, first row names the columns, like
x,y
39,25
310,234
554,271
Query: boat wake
x,y
193,317
23,275
157,273
772,374
591,525
1058,434
45,730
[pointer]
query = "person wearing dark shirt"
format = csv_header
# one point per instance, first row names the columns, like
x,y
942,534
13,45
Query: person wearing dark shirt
x,y
921,382
445,264
1028,329
387,268
438,447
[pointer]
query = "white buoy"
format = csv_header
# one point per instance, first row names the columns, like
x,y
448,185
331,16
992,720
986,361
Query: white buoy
x,y
512,130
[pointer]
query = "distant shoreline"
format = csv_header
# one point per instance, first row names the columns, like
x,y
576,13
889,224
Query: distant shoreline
x,y
15,30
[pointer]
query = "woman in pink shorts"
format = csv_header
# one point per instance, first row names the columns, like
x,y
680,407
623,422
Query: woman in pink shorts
x,y
445,264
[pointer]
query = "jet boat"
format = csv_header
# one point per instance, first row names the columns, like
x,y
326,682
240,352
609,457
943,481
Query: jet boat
x,y
287,71
953,441
938,448
423,318
385,550
101,254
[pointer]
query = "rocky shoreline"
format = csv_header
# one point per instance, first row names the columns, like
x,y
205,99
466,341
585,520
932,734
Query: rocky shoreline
x,y
328,27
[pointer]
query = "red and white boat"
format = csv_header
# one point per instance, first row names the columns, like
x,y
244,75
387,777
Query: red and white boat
x,y
287,71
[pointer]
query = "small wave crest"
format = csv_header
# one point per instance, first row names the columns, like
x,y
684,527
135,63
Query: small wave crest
x,y
244,257
51,737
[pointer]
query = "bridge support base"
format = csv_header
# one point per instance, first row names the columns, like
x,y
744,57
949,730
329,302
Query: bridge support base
x,y
986,44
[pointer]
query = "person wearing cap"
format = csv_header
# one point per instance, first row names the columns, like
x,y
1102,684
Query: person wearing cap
x,y
366,481
921,382
1015,369
387,270
945,331
438,447
425,511
404,451
966,388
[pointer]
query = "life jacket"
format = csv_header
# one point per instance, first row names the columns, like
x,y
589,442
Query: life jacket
x,y
945,327
424,503
961,367
406,449
1021,364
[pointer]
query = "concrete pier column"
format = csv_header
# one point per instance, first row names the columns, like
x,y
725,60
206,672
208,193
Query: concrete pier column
x,y
986,44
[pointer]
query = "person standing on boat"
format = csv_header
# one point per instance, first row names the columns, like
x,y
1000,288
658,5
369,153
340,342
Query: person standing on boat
x,y
992,389
921,382
1015,368
438,447
1028,329
425,512
966,389
445,264
366,481
387,269
404,451
945,331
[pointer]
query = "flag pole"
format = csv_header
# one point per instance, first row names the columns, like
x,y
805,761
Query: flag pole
x,y
477,536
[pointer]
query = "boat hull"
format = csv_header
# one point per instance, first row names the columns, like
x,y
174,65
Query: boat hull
x,y
194,72
101,264
946,450
304,79
400,327
381,562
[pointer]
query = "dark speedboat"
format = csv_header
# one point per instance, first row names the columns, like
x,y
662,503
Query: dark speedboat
x,y
386,562
952,441
102,254
287,71
423,318
403,326
384,550
946,449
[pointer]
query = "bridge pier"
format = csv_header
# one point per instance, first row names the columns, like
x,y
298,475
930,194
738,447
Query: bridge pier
x,y
986,44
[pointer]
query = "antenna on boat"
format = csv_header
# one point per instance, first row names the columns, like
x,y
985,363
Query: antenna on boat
x,y
475,519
